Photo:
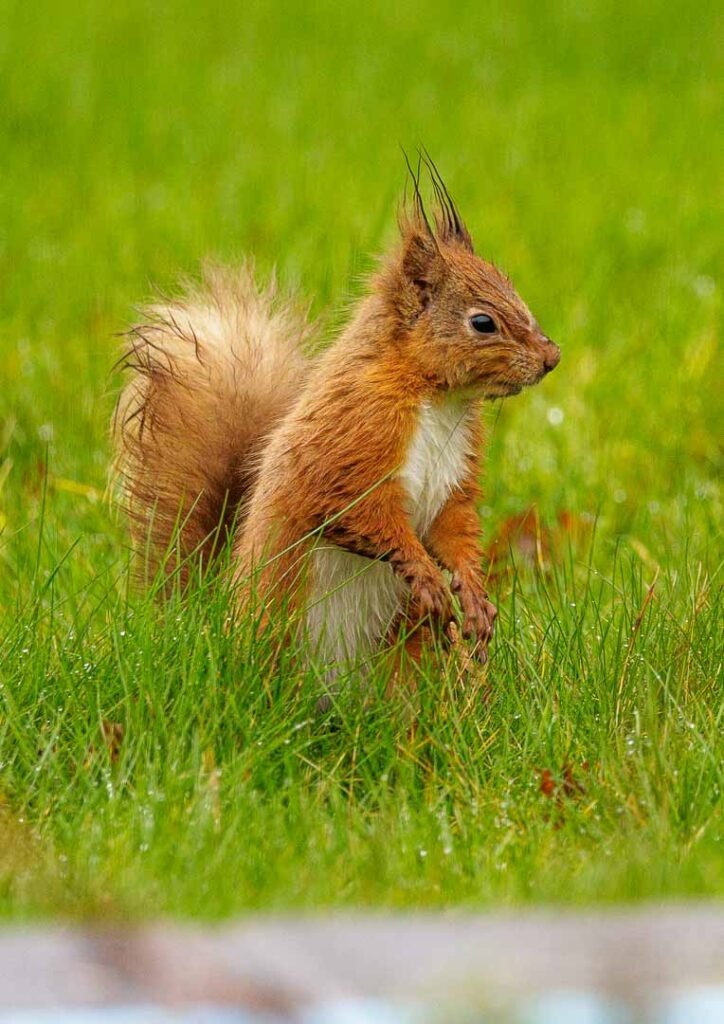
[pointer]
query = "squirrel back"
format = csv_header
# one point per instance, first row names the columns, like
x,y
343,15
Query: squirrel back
x,y
212,372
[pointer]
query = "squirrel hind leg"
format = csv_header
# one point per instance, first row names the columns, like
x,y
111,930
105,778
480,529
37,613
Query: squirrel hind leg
x,y
409,644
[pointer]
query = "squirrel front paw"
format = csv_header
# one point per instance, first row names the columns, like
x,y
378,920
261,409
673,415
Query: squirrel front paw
x,y
479,614
430,596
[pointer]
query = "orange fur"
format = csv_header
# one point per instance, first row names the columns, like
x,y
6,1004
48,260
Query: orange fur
x,y
315,454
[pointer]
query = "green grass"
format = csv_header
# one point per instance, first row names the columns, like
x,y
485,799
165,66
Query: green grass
x,y
580,142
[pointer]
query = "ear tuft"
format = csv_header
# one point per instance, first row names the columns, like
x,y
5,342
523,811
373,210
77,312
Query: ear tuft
x,y
449,227
448,222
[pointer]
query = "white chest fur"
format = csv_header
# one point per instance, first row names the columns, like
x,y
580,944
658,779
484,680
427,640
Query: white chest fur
x,y
353,600
435,462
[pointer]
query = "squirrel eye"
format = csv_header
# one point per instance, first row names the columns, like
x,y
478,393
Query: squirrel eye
x,y
481,323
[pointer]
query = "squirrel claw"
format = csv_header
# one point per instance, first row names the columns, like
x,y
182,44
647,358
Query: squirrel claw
x,y
479,614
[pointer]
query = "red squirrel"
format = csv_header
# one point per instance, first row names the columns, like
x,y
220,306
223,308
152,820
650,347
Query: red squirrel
x,y
349,479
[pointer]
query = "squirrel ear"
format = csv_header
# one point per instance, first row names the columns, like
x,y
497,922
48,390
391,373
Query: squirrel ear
x,y
421,264
449,225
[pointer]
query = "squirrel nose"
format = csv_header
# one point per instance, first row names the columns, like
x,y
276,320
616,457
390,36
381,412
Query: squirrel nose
x,y
552,356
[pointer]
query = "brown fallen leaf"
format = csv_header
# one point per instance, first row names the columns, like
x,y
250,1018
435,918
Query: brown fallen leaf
x,y
547,783
566,787
521,536
526,538
570,786
113,733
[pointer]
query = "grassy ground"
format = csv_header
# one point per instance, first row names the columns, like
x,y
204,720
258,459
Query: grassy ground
x,y
144,765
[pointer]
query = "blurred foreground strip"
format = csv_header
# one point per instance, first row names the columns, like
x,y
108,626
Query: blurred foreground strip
x,y
704,1006
657,965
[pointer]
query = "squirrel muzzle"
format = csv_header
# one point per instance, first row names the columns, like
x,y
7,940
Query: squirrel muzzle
x,y
551,355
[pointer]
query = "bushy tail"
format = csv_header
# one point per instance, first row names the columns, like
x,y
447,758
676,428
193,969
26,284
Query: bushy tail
x,y
211,374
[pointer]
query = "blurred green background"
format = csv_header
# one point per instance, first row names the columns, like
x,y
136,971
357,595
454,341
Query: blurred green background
x,y
580,141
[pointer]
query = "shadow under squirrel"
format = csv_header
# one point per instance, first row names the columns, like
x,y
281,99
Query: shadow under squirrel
x,y
349,479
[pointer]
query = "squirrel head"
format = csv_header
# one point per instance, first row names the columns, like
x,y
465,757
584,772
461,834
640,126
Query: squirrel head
x,y
460,319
